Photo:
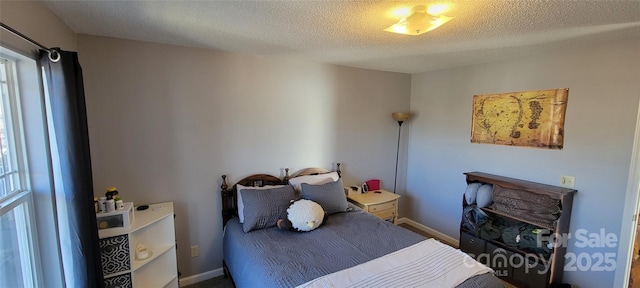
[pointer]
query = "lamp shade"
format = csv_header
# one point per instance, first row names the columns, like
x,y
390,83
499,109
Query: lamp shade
x,y
400,116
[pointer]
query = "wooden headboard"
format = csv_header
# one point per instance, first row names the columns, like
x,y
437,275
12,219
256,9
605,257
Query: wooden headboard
x,y
229,194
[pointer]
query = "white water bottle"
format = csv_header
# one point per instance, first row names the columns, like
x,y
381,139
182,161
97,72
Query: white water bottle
x,y
102,204
119,204
111,205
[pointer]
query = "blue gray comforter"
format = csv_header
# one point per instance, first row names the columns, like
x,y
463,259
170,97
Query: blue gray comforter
x,y
275,258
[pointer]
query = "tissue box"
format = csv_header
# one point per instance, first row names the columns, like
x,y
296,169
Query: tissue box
x,y
116,219
352,190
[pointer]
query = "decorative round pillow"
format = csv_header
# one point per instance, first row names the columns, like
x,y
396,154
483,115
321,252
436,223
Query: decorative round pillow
x,y
484,195
305,215
471,192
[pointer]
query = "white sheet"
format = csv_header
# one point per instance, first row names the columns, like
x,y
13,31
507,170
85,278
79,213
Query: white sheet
x,y
425,264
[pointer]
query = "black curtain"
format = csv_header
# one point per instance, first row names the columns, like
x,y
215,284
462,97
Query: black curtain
x,y
69,142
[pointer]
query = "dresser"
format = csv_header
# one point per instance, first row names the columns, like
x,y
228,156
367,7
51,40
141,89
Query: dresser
x,y
521,266
383,204
152,229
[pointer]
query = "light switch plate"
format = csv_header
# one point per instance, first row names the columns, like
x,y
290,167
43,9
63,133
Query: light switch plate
x,y
567,181
194,251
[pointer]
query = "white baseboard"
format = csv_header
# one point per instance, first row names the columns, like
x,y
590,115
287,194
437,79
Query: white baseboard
x,y
184,281
444,237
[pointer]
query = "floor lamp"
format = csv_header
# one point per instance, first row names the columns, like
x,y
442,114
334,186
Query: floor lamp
x,y
400,117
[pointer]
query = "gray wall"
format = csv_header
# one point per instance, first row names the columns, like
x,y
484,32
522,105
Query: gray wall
x,y
599,131
166,121
35,20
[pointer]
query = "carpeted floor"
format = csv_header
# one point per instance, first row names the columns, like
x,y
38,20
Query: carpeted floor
x,y
216,282
416,230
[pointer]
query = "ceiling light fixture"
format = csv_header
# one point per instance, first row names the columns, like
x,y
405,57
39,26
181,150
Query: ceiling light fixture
x,y
421,21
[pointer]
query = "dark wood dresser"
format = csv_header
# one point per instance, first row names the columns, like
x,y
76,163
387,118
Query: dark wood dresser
x,y
521,203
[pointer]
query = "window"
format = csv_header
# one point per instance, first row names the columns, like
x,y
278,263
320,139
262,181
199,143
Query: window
x,y
9,127
18,250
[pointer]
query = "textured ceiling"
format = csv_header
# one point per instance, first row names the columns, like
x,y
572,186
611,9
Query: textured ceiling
x,y
350,32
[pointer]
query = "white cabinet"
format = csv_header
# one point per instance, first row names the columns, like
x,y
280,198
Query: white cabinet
x,y
153,228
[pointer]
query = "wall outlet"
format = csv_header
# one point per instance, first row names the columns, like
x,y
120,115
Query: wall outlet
x,y
567,181
194,251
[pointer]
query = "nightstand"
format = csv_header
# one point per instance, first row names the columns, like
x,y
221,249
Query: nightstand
x,y
383,204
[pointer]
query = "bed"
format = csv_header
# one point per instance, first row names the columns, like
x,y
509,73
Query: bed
x,y
351,248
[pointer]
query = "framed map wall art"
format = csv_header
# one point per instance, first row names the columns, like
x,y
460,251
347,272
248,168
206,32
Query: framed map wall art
x,y
531,118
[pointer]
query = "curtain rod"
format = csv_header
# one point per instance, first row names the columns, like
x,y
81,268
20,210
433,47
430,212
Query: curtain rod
x,y
53,54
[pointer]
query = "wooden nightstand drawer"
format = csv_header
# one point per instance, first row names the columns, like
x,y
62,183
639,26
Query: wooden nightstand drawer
x,y
382,206
385,214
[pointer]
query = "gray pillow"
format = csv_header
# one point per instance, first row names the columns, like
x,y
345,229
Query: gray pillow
x,y
263,208
329,195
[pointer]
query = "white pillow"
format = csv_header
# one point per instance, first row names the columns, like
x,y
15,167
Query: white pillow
x,y
240,204
484,196
471,193
313,180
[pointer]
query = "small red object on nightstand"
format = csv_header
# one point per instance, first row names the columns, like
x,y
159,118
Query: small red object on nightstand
x,y
373,184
